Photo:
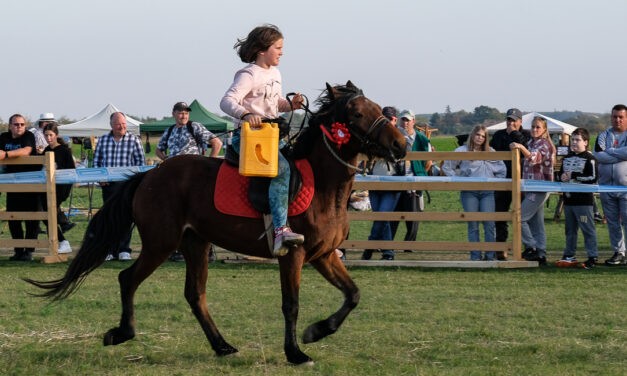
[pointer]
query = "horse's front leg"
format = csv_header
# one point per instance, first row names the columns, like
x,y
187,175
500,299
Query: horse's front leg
x,y
332,268
291,266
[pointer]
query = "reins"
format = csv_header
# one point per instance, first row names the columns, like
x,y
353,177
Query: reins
x,y
305,107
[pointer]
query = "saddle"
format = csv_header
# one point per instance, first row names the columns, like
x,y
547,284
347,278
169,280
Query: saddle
x,y
248,196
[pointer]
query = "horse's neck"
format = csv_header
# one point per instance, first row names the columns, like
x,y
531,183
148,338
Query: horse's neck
x,y
333,180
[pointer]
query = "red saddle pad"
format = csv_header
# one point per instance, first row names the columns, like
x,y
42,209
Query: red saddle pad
x,y
231,194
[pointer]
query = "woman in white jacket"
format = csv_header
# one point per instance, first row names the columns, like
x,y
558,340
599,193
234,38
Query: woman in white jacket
x,y
477,201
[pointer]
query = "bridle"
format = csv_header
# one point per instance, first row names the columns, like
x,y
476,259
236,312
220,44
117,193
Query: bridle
x,y
364,138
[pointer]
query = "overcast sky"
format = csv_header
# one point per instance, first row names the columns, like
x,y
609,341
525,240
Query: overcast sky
x,y
72,57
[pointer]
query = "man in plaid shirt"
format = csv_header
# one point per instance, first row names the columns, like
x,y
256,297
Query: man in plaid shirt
x,y
118,149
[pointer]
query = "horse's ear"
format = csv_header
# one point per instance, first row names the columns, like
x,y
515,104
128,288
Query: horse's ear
x,y
349,83
331,90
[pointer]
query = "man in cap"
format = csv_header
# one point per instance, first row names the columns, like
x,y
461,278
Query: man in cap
x,y
409,201
185,137
501,141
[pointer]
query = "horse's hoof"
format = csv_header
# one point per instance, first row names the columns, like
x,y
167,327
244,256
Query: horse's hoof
x,y
309,363
226,350
115,337
316,332
300,359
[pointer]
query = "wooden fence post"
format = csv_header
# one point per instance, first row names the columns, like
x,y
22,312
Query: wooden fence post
x,y
48,187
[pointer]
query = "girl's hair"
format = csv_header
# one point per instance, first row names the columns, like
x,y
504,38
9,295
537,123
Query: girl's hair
x,y
471,139
546,134
258,40
54,129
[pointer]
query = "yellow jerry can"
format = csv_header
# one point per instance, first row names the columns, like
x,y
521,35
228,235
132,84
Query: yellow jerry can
x,y
259,150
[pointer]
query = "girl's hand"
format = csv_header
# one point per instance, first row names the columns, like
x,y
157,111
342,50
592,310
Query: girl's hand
x,y
253,120
297,101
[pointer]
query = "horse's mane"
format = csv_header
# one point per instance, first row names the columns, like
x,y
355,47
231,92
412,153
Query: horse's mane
x,y
327,102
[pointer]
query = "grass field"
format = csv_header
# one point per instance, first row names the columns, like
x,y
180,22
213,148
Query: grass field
x,y
410,321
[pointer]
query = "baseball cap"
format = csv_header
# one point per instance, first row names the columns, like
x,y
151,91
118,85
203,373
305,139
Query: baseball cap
x,y
407,114
181,106
514,113
389,112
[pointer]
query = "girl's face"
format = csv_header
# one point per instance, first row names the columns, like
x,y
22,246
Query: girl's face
x,y
479,138
50,136
271,56
537,129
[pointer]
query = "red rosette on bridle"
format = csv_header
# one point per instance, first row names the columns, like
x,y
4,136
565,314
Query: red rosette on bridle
x,y
339,134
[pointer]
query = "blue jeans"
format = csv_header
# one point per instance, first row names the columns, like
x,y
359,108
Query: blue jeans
x,y
383,201
279,186
479,201
615,210
575,218
532,221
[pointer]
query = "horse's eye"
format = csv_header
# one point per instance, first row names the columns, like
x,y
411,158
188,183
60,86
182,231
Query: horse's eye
x,y
358,115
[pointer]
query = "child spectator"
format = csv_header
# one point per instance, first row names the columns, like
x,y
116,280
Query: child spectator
x,y
579,166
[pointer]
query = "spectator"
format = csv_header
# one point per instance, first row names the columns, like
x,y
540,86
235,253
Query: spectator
x,y
501,141
383,201
255,94
611,153
118,149
579,166
185,137
19,143
538,161
477,201
408,201
63,159
40,140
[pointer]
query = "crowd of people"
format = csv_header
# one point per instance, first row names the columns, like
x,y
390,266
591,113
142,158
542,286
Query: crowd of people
x,y
607,165
19,141
256,94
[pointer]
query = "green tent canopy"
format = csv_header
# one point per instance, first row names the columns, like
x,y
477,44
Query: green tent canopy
x,y
199,114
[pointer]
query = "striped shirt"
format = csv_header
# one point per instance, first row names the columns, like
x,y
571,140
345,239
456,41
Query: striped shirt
x,y
126,152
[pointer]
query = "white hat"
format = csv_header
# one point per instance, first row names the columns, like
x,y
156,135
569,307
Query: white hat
x,y
47,116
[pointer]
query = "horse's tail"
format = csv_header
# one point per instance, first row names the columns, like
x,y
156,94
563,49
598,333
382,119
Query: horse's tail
x,y
106,230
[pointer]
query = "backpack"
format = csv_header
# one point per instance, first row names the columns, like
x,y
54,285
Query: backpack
x,y
190,129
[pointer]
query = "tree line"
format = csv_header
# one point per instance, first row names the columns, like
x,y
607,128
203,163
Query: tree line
x,y
461,122
448,122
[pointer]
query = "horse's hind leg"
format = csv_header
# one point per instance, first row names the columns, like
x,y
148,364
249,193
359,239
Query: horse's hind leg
x,y
129,280
333,270
196,253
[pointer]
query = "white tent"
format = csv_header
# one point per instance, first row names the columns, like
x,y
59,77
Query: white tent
x,y
97,124
554,125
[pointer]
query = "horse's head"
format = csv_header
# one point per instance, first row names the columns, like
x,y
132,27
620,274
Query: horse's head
x,y
370,132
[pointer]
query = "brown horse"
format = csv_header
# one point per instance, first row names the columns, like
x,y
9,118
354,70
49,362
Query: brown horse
x,y
172,207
